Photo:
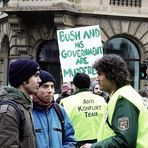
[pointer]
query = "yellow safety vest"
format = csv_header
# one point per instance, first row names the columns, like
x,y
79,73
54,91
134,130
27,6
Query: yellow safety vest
x,y
130,94
86,111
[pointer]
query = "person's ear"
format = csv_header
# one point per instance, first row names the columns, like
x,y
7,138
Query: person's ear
x,y
25,82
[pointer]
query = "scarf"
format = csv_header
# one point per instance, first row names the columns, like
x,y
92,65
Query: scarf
x,y
40,103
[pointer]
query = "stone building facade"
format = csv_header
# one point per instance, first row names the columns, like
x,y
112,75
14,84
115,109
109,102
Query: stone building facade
x,y
28,29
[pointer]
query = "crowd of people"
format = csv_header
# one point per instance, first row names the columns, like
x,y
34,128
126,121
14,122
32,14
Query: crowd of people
x,y
103,112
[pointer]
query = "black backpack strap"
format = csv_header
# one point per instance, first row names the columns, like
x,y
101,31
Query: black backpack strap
x,y
61,118
19,112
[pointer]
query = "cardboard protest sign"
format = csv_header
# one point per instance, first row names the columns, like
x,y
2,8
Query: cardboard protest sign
x,y
79,48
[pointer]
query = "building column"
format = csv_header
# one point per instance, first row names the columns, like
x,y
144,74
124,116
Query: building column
x,y
18,44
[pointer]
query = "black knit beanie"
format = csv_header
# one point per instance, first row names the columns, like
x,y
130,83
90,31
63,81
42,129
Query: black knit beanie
x,y
81,80
46,77
21,70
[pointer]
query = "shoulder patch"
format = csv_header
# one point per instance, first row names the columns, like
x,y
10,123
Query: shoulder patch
x,y
123,123
3,108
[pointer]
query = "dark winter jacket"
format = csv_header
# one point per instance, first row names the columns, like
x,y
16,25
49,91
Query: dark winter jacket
x,y
61,96
9,120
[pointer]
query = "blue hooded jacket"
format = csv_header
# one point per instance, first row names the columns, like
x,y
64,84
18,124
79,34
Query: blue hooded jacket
x,y
49,131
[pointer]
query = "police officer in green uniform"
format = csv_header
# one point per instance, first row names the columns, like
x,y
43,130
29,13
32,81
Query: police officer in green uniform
x,y
85,109
126,124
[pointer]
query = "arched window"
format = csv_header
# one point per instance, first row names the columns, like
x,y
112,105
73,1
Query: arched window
x,y
48,59
129,52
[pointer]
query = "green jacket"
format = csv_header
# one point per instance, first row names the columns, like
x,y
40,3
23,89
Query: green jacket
x,y
127,118
9,120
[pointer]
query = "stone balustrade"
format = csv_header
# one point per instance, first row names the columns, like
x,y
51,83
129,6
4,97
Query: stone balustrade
x,y
102,7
